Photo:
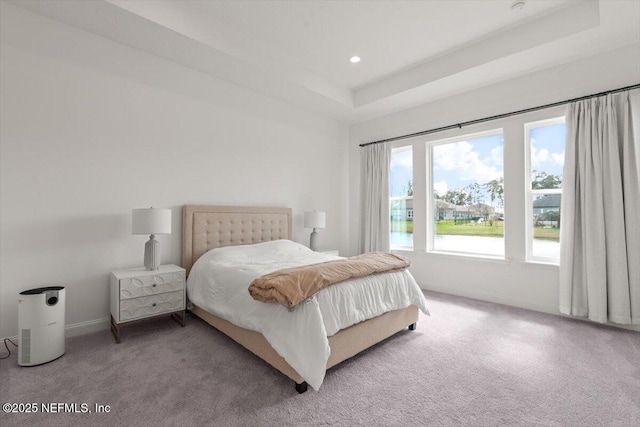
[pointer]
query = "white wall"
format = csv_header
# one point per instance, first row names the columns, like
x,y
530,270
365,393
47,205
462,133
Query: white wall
x,y
92,128
513,281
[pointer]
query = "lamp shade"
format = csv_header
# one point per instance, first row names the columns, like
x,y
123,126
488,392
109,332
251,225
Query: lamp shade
x,y
151,221
315,219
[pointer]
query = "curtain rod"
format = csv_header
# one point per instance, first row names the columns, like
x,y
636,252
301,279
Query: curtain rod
x,y
500,116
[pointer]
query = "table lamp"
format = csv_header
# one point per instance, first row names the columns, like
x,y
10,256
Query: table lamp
x,y
314,220
151,221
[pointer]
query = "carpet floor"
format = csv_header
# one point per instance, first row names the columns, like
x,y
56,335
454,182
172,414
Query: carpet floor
x,y
470,363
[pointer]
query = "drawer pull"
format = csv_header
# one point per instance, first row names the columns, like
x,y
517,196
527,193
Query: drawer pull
x,y
153,305
154,285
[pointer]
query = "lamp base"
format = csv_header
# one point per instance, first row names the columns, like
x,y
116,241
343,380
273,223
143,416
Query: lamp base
x,y
313,245
152,254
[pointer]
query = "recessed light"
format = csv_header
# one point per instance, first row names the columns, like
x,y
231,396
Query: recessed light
x,y
518,5
354,59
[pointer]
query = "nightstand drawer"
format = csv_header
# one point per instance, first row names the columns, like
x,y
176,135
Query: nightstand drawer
x,y
134,287
137,308
138,293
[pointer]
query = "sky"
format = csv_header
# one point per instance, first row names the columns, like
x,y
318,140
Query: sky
x,y
458,164
547,149
400,172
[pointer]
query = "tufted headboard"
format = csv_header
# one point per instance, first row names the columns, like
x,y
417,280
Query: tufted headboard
x,y
208,227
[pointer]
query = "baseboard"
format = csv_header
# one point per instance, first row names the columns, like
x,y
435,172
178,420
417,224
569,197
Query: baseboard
x,y
483,296
86,327
81,328
528,305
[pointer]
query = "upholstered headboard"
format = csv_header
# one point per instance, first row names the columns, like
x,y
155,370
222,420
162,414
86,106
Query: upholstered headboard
x,y
208,227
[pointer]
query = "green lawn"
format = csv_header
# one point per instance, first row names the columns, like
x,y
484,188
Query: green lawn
x,y
546,233
475,229
402,226
470,229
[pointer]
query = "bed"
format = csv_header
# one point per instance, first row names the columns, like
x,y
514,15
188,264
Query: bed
x,y
210,227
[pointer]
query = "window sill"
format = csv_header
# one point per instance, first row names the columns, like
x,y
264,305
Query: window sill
x,y
471,257
549,265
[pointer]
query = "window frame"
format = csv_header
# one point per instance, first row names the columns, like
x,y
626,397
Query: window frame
x,y
530,193
430,215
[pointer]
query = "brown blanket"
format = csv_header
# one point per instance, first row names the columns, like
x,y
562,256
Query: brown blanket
x,y
293,285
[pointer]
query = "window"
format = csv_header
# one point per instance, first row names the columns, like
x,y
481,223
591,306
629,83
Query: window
x,y
401,198
467,194
461,184
545,160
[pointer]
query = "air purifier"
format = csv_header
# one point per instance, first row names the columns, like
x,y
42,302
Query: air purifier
x,y
40,325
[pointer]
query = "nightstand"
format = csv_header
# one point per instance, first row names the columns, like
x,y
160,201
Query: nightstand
x,y
332,252
138,293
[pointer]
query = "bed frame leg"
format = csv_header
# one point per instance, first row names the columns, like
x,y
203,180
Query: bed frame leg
x,y
302,387
412,327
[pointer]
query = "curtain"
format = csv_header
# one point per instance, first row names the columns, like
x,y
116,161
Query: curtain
x,y
375,209
600,214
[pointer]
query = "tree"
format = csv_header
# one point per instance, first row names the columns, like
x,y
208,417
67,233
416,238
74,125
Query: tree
x,y
551,216
495,188
541,180
457,197
474,194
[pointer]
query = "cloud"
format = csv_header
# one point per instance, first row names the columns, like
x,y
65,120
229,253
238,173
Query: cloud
x,y
402,158
441,187
558,158
461,157
497,156
538,156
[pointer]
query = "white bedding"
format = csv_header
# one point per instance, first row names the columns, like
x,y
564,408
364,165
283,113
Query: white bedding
x,y
219,281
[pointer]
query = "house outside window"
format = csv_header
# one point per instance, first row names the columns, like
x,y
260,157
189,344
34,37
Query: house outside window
x,y
545,142
401,198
